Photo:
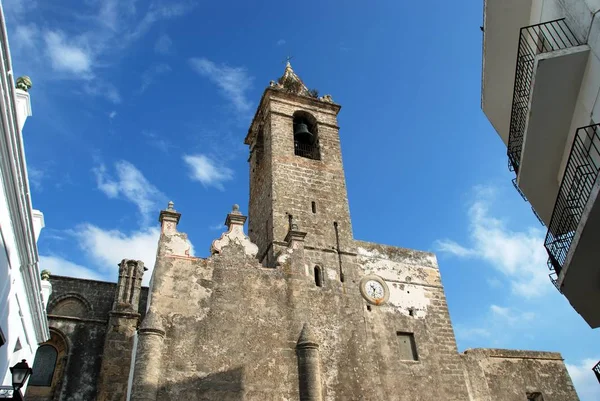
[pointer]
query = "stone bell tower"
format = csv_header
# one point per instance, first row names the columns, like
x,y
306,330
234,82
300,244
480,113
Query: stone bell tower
x,y
296,170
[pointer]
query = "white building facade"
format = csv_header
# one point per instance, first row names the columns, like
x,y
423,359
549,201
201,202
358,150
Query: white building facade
x,y
23,295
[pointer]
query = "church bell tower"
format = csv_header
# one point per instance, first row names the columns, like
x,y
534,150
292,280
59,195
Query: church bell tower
x,y
296,171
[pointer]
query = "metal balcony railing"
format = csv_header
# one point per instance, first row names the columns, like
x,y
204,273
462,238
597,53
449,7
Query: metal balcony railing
x,y
535,39
596,370
581,172
310,151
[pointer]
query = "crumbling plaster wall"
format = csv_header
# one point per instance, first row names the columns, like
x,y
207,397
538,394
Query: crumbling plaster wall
x,y
508,375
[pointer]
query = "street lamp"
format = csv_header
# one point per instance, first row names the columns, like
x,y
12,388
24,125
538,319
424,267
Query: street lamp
x,y
20,373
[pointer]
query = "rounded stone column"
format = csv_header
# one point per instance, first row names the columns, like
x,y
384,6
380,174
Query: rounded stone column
x,y
309,366
148,360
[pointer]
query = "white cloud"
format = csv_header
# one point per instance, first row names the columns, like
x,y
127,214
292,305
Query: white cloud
x,y
67,57
62,267
207,171
132,185
234,82
505,315
519,255
26,36
584,379
281,42
150,75
106,248
35,177
163,44
468,333
112,114
104,89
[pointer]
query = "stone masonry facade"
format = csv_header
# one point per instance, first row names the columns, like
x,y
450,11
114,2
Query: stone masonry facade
x,y
296,310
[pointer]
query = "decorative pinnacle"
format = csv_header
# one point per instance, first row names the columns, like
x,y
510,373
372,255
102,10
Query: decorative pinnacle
x,y
235,209
45,275
24,83
294,226
170,205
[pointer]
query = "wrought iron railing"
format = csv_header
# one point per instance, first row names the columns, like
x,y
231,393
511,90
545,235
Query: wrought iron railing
x,y
596,370
535,39
310,151
514,182
574,192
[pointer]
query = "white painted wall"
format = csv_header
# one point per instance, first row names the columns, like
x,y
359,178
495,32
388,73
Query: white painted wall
x,y
583,16
22,295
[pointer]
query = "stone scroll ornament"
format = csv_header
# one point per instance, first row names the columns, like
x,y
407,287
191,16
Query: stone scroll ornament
x,y
234,235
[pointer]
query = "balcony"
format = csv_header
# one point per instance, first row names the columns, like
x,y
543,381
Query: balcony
x,y
550,64
574,229
533,40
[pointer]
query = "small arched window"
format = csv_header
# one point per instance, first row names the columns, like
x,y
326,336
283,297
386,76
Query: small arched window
x,y
318,276
306,141
43,366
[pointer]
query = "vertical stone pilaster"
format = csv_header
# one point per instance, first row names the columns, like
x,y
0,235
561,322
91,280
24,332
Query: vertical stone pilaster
x,y
122,325
309,366
148,361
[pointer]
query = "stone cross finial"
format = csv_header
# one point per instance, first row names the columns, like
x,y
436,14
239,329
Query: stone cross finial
x,y
24,83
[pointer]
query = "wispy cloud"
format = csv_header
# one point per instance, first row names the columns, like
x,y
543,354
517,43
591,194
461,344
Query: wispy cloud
x,y
130,184
159,142
207,171
281,42
163,44
508,315
35,176
106,248
63,267
151,74
98,37
584,379
112,114
68,57
233,82
518,255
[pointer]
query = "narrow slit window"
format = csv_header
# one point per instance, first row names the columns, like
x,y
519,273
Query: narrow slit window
x,y
407,345
313,207
318,277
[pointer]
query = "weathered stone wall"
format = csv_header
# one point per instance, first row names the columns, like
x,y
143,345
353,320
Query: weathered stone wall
x,y
509,375
84,334
295,182
260,210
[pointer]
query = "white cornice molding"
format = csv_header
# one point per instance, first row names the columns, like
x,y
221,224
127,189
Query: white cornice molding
x,y
14,174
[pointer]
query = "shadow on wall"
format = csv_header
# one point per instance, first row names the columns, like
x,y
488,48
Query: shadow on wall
x,y
222,386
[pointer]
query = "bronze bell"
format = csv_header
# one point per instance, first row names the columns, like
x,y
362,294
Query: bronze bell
x,y
302,134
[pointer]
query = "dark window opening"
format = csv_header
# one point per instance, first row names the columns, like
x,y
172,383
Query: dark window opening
x,y
314,207
43,366
411,312
408,347
318,276
369,308
535,396
306,142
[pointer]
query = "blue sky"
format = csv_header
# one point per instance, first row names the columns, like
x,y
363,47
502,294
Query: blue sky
x,y
137,103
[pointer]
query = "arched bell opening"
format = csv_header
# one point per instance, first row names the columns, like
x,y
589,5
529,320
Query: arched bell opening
x,y
306,141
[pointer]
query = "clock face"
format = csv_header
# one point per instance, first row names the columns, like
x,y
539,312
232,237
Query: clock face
x,y
374,289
